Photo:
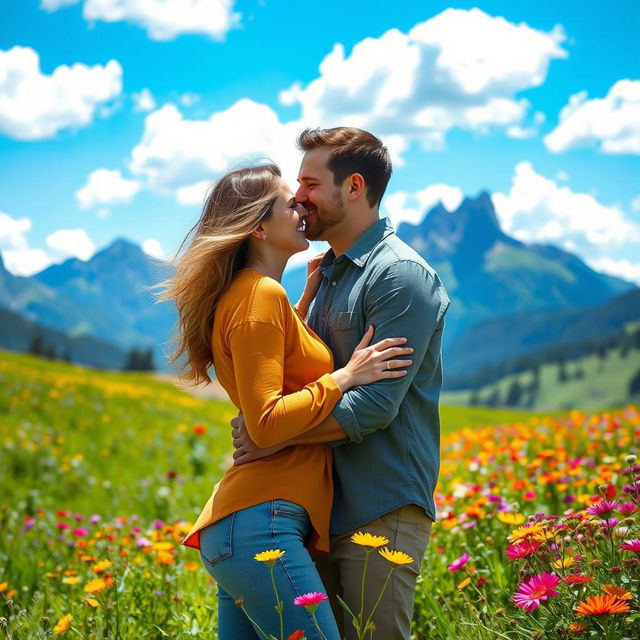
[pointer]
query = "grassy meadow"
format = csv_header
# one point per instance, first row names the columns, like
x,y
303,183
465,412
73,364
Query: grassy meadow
x,y
102,474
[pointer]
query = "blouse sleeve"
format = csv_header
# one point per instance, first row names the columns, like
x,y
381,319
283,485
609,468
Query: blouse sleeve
x,y
271,416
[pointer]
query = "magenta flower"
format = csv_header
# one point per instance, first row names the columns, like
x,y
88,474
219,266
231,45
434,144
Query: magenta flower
x,y
80,532
522,550
459,562
631,545
603,508
63,526
536,590
78,517
29,523
627,508
310,600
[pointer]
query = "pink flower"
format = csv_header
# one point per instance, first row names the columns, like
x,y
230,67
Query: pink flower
x,y
631,545
94,519
63,526
459,563
80,532
536,590
522,550
602,508
626,508
310,600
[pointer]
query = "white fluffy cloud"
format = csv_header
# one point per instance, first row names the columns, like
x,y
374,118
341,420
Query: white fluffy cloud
x,y
624,269
162,19
537,209
18,257
458,69
143,101
403,206
35,106
152,248
75,243
181,157
54,5
106,187
611,123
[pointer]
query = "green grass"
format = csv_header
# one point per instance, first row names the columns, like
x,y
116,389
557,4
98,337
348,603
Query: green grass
x,y
123,447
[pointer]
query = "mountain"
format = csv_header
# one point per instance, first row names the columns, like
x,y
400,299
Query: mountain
x,y
504,345
107,297
488,274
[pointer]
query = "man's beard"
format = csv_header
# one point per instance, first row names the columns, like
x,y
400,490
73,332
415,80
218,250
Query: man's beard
x,y
326,217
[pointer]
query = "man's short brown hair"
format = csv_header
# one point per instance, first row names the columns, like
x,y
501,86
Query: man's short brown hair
x,y
352,151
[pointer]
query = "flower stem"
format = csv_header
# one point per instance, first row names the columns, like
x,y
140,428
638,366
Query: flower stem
x,y
375,606
279,603
315,621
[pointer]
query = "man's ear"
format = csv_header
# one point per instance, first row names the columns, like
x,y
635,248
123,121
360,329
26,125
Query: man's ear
x,y
356,186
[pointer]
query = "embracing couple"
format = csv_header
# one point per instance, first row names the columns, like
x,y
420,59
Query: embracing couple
x,y
338,394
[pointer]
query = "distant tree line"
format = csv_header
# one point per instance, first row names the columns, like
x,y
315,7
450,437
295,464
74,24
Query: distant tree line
x,y
138,359
625,341
522,391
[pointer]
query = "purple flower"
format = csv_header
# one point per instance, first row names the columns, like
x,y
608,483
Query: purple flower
x,y
143,542
158,524
29,523
95,518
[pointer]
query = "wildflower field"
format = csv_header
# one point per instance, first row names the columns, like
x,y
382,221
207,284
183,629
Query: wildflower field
x,y
538,533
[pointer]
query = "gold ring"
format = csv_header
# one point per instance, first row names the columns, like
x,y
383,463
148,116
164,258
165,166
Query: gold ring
x,y
387,365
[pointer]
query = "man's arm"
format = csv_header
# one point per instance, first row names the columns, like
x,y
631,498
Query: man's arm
x,y
329,430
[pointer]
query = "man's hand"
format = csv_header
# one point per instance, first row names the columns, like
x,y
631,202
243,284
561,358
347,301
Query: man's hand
x,y
245,448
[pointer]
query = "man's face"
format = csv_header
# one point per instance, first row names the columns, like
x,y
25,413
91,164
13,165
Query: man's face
x,y
319,195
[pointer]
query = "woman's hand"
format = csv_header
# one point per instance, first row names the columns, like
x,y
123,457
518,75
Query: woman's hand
x,y
380,361
314,278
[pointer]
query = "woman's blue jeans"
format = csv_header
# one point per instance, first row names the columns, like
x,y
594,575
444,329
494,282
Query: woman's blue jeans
x,y
228,547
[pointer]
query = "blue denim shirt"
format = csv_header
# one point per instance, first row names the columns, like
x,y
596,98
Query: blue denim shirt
x,y
392,455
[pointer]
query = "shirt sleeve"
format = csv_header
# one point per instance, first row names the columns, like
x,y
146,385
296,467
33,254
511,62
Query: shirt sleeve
x,y
271,416
405,300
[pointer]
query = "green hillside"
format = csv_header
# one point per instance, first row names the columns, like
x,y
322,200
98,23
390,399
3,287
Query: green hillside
x,y
590,383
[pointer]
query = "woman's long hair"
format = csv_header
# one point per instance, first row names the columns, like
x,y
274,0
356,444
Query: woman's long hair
x,y
217,248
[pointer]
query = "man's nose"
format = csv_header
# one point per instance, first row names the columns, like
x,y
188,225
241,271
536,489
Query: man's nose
x,y
300,196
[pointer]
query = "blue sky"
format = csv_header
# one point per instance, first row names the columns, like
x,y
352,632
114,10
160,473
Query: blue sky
x,y
114,117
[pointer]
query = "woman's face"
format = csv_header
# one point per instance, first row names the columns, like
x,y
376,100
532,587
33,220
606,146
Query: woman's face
x,y
285,227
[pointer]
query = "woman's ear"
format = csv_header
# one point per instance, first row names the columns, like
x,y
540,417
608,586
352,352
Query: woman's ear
x,y
259,233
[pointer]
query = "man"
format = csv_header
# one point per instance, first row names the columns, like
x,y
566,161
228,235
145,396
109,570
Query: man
x,y
385,436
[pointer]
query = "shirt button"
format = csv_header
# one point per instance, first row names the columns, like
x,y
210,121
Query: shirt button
x,y
334,283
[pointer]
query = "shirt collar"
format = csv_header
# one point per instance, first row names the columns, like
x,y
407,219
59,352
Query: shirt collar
x,y
361,249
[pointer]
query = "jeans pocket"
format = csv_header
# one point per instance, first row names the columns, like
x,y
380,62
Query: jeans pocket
x,y
287,508
216,540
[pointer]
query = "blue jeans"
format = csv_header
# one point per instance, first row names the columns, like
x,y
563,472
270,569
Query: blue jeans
x,y
227,549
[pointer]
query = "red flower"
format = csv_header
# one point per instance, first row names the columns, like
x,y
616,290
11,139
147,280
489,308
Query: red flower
x,y
298,634
199,429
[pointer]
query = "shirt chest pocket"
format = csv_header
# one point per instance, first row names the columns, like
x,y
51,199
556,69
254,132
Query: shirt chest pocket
x,y
346,333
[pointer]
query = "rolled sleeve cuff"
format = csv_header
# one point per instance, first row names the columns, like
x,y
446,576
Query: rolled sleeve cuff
x,y
345,416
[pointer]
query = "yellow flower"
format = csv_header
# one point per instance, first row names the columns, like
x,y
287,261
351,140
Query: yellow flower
x,y
563,563
369,540
528,531
3,586
510,518
464,583
70,580
269,557
95,586
397,557
191,566
165,558
92,602
163,546
64,624
102,566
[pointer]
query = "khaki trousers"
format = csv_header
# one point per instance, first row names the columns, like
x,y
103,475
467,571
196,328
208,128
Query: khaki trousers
x,y
408,529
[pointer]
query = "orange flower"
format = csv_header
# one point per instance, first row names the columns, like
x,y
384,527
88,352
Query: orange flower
x,y
577,627
601,605
617,592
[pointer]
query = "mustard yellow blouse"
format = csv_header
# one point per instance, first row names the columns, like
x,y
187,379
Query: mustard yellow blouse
x,y
276,372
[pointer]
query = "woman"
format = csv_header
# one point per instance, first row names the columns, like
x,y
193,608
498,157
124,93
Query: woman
x,y
234,313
